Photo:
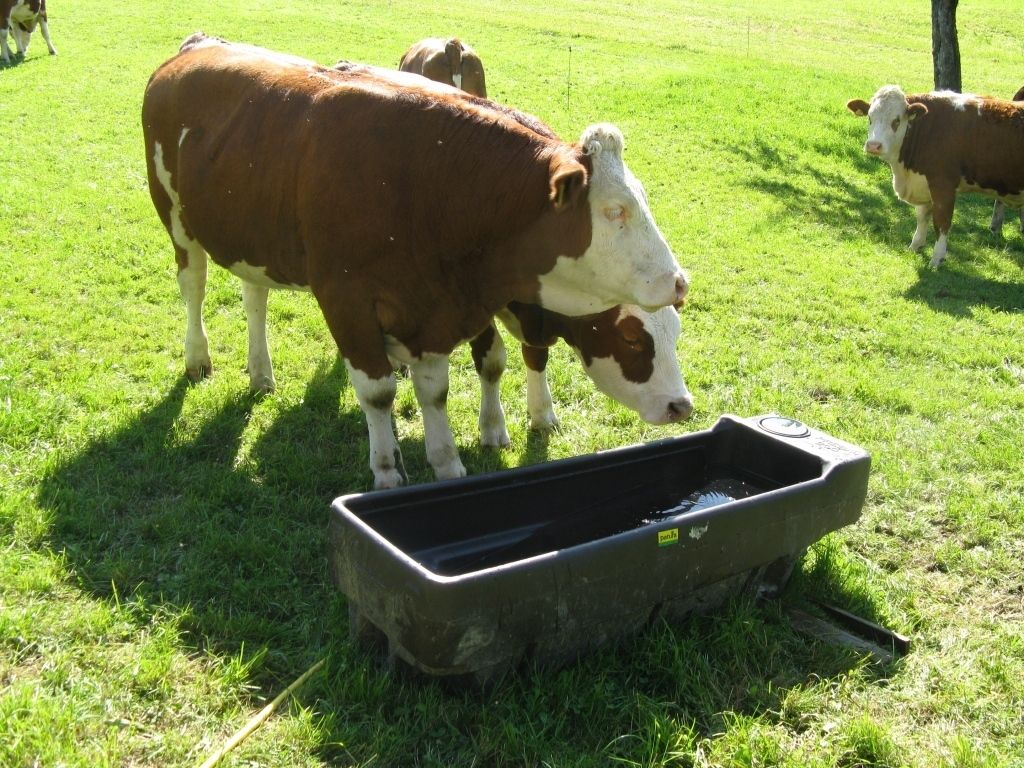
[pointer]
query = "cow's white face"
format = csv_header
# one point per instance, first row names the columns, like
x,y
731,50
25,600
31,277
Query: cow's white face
x,y
638,366
889,115
628,261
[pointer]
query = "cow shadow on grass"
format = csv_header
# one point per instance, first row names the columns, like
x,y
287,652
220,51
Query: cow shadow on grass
x,y
229,532
168,512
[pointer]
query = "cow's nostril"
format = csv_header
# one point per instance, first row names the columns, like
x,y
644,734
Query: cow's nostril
x,y
680,409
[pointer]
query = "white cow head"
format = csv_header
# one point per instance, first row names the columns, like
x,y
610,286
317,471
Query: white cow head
x,y
631,356
628,260
889,115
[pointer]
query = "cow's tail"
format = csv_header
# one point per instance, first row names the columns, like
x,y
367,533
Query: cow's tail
x,y
453,52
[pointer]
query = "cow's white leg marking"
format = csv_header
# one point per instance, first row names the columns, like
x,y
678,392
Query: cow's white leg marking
x,y
538,401
376,397
939,254
46,36
924,213
430,380
261,370
5,52
191,279
493,431
457,79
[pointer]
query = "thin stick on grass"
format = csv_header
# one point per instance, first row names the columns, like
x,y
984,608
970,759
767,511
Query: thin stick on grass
x,y
259,717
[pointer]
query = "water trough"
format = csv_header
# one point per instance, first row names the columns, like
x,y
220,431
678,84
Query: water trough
x,y
466,579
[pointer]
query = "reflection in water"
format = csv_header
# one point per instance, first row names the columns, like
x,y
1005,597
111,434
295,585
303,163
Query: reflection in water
x,y
716,492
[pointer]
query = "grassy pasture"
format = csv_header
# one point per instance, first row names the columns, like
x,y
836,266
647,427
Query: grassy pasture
x,y
162,569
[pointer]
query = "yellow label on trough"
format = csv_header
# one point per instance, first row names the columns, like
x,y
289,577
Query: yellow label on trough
x,y
671,536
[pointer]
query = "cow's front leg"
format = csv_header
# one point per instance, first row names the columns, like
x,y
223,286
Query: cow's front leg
x,y
376,397
923,213
5,51
261,370
489,358
430,380
943,199
538,394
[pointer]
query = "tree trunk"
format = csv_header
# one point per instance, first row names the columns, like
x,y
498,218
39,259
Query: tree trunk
x,y
945,48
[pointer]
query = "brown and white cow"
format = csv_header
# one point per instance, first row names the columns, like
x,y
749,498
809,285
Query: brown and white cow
x,y
629,353
941,143
20,18
446,61
293,175
998,209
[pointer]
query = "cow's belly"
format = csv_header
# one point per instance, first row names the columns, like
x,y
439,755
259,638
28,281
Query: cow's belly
x,y
258,276
1012,200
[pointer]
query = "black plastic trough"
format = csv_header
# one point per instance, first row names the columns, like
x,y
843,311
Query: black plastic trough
x,y
471,577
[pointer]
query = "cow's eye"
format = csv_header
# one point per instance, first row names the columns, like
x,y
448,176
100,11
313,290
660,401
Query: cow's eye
x,y
896,124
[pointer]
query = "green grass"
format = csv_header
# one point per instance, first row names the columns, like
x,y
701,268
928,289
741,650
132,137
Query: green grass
x,y
162,548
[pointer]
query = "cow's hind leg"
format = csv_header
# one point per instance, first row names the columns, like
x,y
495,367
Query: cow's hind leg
x,y
376,397
261,370
192,267
430,380
489,358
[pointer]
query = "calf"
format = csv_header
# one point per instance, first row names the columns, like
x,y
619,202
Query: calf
x,y
629,353
293,175
941,143
20,17
446,61
998,209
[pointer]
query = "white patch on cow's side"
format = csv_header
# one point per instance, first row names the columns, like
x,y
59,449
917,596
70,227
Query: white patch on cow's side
x,y
184,133
959,100
663,398
163,175
258,276
628,260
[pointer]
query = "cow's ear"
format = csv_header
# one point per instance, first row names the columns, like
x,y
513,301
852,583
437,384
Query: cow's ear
x,y
567,184
916,110
859,107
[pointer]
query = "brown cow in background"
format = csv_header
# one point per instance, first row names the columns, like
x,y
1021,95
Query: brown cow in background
x,y
446,61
